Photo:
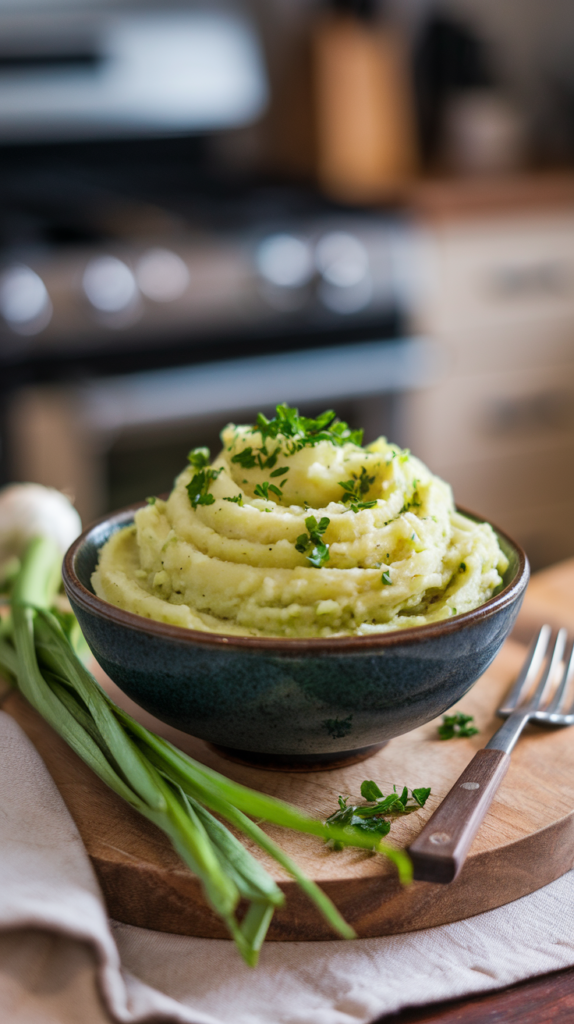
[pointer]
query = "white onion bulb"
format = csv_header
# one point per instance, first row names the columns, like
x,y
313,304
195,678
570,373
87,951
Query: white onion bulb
x,y
31,510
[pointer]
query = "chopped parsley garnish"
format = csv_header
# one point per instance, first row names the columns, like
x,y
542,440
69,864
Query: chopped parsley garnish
x,y
245,458
262,490
312,544
462,567
410,504
303,432
198,487
198,458
280,472
356,506
386,579
151,501
355,489
457,726
370,790
369,817
251,457
237,499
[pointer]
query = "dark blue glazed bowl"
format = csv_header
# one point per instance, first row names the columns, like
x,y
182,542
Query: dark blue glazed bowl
x,y
296,704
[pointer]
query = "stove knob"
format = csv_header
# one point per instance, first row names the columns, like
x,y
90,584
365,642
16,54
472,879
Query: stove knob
x,y
109,285
284,261
24,300
343,263
162,275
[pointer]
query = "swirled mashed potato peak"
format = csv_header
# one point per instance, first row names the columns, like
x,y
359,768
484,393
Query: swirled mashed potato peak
x,y
296,530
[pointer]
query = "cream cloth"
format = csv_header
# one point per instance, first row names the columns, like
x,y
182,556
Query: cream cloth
x,y
63,962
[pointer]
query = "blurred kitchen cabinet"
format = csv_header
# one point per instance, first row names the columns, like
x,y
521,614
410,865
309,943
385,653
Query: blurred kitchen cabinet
x,y
498,298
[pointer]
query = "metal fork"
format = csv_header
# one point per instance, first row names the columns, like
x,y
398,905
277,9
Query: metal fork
x,y
439,852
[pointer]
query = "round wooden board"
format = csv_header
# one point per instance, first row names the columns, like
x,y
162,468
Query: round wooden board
x,y
526,840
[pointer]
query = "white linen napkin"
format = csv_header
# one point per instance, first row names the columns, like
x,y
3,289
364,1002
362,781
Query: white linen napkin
x,y
63,962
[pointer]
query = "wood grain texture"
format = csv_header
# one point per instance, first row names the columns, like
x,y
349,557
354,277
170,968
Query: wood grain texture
x,y
438,853
549,598
549,998
527,838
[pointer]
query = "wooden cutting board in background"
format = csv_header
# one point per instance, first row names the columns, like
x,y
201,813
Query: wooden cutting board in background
x,y
526,841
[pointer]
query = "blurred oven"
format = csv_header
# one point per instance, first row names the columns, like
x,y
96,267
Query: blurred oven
x,y
147,294
118,357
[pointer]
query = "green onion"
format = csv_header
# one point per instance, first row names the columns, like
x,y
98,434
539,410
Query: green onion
x,y
38,650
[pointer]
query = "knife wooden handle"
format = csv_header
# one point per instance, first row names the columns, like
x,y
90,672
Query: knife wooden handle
x,y
439,852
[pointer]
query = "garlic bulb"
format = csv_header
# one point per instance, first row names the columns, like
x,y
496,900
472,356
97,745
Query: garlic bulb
x,y
31,510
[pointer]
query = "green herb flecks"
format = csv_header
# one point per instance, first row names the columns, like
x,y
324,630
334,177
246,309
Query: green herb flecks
x,y
408,505
198,458
151,501
251,457
262,490
198,487
312,544
302,432
237,499
245,458
386,579
355,489
370,817
457,727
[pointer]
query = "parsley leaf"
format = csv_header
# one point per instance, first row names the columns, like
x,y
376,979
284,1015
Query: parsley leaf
x,y
386,579
356,506
198,458
456,726
280,472
355,489
262,490
198,487
421,796
246,458
151,501
410,504
304,432
369,817
237,499
370,790
312,541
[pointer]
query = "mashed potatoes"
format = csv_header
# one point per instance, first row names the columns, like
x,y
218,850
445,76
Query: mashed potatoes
x,y
296,530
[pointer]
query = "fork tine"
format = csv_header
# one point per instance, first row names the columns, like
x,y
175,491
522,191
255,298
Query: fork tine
x,y
549,670
556,704
568,676
529,670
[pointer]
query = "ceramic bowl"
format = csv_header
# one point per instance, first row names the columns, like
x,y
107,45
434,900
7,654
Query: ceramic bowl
x,y
290,703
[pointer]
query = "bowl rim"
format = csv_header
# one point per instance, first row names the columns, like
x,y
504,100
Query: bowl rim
x,y
90,602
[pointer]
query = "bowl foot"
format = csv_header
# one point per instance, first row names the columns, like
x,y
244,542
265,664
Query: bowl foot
x,y
298,762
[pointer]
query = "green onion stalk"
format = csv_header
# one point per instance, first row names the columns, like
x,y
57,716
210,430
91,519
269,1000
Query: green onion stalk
x,y
40,653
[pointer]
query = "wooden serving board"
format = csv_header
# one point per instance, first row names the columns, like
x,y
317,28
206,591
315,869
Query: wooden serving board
x,y
526,840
